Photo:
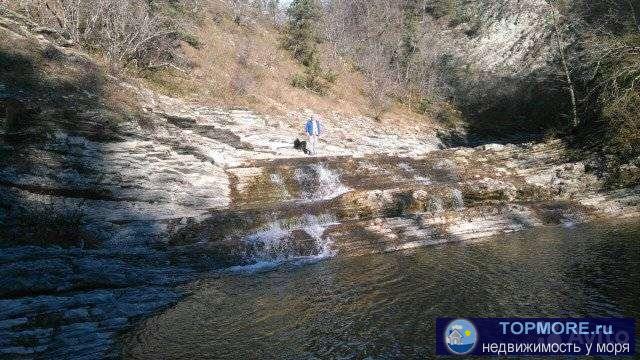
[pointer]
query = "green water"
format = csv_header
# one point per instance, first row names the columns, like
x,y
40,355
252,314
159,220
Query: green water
x,y
384,306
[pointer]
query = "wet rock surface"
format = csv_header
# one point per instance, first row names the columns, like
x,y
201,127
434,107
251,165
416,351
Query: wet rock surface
x,y
447,195
167,216
102,220
81,325
188,189
61,303
179,202
134,194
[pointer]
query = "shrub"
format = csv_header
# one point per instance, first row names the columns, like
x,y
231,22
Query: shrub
x,y
125,31
300,32
311,79
191,39
301,40
330,76
459,15
454,9
449,116
314,78
618,64
623,119
423,105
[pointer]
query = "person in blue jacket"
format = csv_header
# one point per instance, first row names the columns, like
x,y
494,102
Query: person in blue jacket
x,y
313,129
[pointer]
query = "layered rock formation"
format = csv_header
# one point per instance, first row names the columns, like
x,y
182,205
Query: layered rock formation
x,y
507,37
178,189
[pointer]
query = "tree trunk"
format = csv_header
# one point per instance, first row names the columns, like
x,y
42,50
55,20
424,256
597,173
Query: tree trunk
x,y
565,67
55,14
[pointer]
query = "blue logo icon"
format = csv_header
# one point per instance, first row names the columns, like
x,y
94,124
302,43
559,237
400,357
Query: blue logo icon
x,y
460,336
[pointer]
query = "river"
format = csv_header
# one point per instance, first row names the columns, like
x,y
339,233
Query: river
x,y
384,306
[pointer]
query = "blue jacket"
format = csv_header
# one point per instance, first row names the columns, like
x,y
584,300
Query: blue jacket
x,y
309,127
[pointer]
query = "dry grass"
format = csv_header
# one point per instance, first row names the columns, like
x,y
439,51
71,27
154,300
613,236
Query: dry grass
x,y
234,66
53,88
245,66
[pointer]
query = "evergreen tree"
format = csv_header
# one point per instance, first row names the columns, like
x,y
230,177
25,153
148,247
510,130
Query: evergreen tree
x,y
301,31
409,37
301,38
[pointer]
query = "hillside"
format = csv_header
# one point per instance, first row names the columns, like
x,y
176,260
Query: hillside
x,y
72,130
244,65
500,73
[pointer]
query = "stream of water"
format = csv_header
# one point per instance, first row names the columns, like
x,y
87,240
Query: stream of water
x,y
384,306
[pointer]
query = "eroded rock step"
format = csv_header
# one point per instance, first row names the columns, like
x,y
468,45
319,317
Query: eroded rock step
x,y
360,220
392,234
280,210
316,179
70,303
289,208
476,173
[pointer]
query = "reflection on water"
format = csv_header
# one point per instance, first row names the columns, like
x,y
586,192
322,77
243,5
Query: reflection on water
x,y
384,306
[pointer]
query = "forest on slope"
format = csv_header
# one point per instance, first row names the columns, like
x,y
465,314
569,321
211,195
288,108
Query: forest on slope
x,y
503,70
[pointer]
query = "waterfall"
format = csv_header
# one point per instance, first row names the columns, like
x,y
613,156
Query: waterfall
x,y
458,200
295,239
276,179
287,239
423,180
436,204
319,182
406,167
329,185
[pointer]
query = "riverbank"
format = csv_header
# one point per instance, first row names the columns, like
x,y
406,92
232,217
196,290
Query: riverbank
x,y
385,305
271,208
113,196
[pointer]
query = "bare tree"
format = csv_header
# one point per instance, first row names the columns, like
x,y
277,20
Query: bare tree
x,y
245,12
634,14
561,49
394,43
125,31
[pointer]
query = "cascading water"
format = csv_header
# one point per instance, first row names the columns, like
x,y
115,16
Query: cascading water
x,y
436,204
319,182
291,239
277,180
295,238
423,180
406,167
458,200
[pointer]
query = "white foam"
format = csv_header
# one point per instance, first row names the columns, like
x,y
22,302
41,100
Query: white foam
x,y
261,266
406,167
329,185
276,179
458,199
423,180
272,243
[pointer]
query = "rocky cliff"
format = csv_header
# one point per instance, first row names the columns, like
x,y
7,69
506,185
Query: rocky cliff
x,y
502,67
507,37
